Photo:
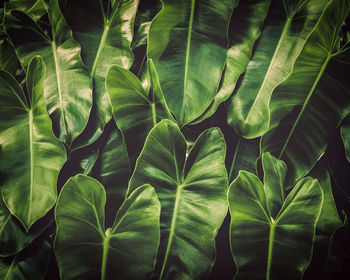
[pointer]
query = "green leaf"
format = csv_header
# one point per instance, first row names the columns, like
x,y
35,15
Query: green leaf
x,y
134,110
28,265
345,135
13,236
85,250
308,107
244,29
31,156
8,59
264,247
192,192
67,82
189,53
33,8
286,29
105,41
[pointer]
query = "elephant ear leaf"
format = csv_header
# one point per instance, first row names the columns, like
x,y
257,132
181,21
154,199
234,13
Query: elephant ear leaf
x,y
345,135
67,91
105,40
185,46
29,184
287,26
266,247
192,192
86,250
34,8
308,107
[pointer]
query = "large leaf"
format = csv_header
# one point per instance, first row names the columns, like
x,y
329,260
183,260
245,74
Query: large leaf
x,y
8,60
286,29
135,111
30,264
105,40
67,91
267,247
245,27
31,156
192,192
316,96
345,134
33,8
86,250
189,53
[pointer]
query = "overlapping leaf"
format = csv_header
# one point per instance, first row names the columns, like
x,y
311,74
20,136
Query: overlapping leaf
x,y
267,244
189,53
86,250
192,191
345,134
286,29
33,8
310,104
30,156
67,91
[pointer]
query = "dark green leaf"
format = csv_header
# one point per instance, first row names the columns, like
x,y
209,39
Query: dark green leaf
x,y
192,191
8,59
345,134
34,8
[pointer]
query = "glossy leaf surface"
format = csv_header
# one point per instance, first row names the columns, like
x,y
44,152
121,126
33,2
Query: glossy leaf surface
x,y
135,111
29,178
86,250
286,29
244,29
34,8
192,192
68,93
308,107
8,59
189,53
27,265
265,247
105,41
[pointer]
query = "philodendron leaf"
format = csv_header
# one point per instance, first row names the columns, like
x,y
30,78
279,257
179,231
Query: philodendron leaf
x,y
34,8
13,236
286,29
244,30
8,59
105,41
267,247
30,155
189,53
86,250
345,135
192,192
28,265
309,105
67,90
135,111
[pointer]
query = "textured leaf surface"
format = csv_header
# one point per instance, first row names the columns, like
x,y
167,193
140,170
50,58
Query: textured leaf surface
x,y
105,40
189,53
286,29
308,107
244,29
31,156
264,247
86,250
192,192
68,93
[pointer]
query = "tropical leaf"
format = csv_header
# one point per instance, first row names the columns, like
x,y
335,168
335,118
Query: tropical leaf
x,y
288,25
266,244
86,250
185,46
9,61
67,82
310,104
192,192
34,8
134,110
28,265
29,179
105,41
244,29
345,134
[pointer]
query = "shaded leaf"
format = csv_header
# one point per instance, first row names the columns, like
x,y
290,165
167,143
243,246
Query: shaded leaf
x,y
34,8
345,134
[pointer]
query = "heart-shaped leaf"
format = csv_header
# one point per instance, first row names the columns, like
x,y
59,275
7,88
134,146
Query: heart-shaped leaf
x,y
29,178
86,250
192,192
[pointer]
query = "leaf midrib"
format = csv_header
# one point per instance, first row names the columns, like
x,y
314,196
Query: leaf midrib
x,y
30,123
